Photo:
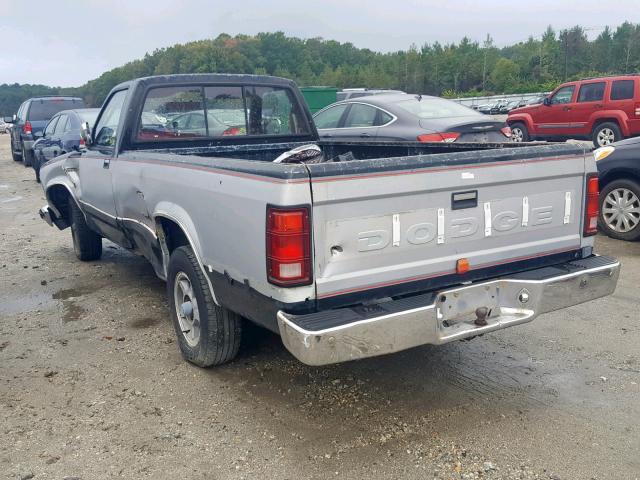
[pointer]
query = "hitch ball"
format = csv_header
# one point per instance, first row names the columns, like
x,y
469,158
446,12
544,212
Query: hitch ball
x,y
481,316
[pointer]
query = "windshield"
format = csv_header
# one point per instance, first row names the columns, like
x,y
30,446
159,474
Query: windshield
x,y
46,108
436,108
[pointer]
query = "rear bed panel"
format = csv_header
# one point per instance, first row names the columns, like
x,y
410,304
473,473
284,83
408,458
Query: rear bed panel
x,y
387,227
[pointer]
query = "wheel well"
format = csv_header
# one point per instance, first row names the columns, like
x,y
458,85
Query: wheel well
x,y
174,236
59,197
617,175
600,121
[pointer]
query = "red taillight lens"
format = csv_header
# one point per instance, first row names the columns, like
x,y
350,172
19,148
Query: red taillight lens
x,y
83,144
288,246
591,205
506,131
26,128
446,137
637,109
232,131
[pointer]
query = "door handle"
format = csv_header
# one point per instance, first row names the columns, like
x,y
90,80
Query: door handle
x,y
599,105
365,135
566,109
106,162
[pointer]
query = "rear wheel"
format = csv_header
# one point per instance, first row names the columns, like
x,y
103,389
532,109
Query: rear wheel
x,y
87,244
207,333
605,134
27,157
620,210
16,156
519,132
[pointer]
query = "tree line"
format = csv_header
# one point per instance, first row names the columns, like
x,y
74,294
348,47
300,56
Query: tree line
x,y
466,68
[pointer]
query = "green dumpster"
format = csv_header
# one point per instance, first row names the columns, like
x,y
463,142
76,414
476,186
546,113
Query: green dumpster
x,y
319,97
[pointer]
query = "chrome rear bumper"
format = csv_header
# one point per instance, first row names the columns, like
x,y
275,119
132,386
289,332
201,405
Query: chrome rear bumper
x,y
437,318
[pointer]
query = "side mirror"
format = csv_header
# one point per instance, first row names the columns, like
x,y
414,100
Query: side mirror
x,y
547,101
8,119
85,133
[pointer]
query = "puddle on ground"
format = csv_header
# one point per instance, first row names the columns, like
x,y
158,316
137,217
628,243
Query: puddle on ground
x,y
26,303
69,293
11,199
145,322
72,311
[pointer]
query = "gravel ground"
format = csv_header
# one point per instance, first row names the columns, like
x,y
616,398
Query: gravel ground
x,y
92,384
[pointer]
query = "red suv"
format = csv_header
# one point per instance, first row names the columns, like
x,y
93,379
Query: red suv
x,y
602,109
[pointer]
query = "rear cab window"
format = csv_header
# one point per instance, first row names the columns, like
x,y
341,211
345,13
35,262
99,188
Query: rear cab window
x,y
218,111
44,109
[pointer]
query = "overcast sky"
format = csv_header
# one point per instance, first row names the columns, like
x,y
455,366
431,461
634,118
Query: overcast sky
x,y
66,43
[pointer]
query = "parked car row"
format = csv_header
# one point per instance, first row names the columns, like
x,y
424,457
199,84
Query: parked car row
x,y
45,127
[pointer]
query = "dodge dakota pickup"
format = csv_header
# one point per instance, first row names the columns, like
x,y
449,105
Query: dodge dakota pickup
x,y
346,249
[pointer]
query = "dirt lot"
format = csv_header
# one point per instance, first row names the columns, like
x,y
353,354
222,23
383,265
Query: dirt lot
x,y
92,384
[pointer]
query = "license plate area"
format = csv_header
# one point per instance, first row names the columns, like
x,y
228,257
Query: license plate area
x,y
467,305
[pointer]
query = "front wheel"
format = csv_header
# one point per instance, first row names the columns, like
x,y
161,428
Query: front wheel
x,y
519,132
605,134
620,210
207,333
87,244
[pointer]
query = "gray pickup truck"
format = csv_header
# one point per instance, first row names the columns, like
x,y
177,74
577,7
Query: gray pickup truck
x,y
356,250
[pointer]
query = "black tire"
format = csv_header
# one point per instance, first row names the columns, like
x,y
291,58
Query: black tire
x,y
16,156
630,185
609,130
87,244
27,157
523,136
220,329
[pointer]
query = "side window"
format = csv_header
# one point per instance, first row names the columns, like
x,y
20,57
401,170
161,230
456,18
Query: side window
x,y
62,125
591,92
622,90
383,118
22,114
330,117
273,111
164,112
360,116
225,111
563,95
51,127
105,131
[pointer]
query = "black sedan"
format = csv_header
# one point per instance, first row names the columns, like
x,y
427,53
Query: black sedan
x,y
619,171
61,135
406,117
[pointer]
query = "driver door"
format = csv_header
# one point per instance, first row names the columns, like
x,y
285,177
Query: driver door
x,y
94,169
555,118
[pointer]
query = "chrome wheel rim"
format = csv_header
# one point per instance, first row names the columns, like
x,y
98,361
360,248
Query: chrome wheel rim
x,y
516,134
606,136
621,210
186,309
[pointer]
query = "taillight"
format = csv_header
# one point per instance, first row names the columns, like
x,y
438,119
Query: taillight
x,y
506,131
637,109
288,246
83,144
26,128
591,205
232,131
447,137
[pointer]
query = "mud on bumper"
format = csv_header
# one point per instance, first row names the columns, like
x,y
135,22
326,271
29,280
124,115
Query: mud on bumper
x,y
437,318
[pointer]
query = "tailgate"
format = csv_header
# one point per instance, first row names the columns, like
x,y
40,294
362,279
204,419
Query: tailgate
x,y
385,222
